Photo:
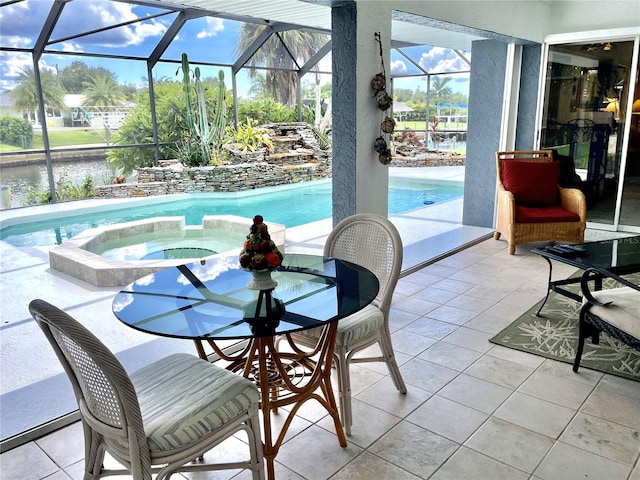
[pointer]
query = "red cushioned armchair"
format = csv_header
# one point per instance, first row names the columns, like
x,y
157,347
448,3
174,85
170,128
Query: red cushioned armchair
x,y
531,205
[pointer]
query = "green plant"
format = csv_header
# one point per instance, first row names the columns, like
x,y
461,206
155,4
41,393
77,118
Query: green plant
x,y
15,131
323,136
65,190
250,137
137,133
205,137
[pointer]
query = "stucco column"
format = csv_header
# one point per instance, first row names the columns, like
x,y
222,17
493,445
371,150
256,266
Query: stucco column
x,y
486,90
360,181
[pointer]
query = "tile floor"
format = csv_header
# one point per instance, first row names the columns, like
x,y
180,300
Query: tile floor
x,y
473,410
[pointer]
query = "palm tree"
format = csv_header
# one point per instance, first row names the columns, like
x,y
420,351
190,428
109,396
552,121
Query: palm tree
x,y
101,90
258,86
26,93
276,55
440,92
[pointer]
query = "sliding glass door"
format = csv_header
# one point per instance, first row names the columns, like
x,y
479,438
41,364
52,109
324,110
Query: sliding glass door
x,y
590,121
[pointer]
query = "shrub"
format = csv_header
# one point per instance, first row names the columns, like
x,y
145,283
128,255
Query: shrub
x,y
65,190
249,137
15,131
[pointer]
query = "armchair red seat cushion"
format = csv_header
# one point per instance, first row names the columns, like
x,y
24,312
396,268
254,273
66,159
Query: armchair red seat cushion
x,y
555,213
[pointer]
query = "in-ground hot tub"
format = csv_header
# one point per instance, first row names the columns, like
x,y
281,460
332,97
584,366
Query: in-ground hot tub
x,y
117,255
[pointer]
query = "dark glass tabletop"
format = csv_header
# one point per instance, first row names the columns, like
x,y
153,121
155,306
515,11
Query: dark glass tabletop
x,y
617,255
209,299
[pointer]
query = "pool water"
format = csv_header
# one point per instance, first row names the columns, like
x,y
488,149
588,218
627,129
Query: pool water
x,y
290,207
170,245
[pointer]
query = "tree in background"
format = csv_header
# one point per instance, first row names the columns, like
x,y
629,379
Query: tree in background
x,y
101,90
440,92
276,54
73,77
25,94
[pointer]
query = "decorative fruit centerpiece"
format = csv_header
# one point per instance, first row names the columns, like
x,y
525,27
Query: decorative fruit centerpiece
x,y
260,256
260,252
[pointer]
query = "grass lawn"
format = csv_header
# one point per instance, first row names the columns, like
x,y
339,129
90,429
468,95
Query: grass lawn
x,y
59,138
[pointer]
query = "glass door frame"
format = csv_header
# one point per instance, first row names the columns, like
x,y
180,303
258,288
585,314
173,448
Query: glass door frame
x,y
610,35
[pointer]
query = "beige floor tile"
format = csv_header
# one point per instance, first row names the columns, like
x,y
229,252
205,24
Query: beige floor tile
x,y
407,342
472,303
616,408
475,393
451,314
415,305
467,464
562,391
567,462
27,462
328,456
65,446
399,319
454,286
435,295
405,288
534,414
418,451
428,327
438,270
615,442
516,356
450,356
500,372
469,338
488,323
384,396
367,466
447,418
369,423
564,370
510,444
425,375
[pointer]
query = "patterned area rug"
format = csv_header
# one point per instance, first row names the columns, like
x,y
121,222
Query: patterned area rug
x,y
554,334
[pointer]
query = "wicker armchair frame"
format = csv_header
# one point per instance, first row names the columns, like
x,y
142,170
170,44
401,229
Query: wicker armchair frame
x,y
519,233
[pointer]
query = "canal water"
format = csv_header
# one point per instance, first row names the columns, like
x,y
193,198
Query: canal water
x,y
17,179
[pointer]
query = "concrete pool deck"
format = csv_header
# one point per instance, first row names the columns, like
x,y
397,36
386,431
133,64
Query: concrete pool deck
x,y
34,390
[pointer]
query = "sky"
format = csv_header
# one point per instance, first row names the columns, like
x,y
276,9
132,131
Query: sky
x,y
205,39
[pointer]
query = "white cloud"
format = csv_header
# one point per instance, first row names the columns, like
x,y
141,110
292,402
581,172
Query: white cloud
x,y
214,26
398,67
439,60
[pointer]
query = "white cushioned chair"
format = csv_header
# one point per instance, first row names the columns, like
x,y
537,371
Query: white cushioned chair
x,y
373,242
615,311
157,419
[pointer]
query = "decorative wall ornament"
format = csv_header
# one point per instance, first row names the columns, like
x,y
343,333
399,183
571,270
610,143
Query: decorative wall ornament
x,y
384,102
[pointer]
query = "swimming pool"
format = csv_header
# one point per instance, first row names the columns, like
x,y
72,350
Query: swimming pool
x,y
291,207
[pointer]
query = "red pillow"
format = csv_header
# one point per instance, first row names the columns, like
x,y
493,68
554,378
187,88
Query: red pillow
x,y
533,184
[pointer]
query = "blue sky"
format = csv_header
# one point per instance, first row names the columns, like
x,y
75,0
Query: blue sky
x,y
205,39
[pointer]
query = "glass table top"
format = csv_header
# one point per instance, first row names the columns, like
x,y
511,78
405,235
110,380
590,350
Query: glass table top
x,y
209,299
606,255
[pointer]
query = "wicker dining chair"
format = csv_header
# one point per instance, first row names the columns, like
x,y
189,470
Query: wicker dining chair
x,y
157,419
373,242
531,206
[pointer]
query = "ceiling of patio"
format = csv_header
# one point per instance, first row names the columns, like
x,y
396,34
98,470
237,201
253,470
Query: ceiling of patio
x,y
407,29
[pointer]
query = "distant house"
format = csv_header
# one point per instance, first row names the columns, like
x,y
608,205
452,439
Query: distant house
x,y
400,110
73,115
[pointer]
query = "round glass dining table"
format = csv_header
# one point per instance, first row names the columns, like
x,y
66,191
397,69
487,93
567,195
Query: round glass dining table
x,y
214,300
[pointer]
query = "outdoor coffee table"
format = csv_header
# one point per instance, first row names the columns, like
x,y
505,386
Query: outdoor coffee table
x,y
619,256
